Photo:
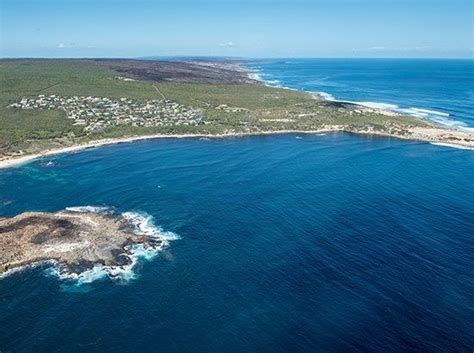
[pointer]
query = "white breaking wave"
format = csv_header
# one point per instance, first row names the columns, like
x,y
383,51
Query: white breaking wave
x,y
441,118
428,111
121,273
422,113
452,146
144,225
87,209
325,96
25,267
255,76
273,82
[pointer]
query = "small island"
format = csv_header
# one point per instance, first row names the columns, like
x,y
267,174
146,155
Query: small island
x,y
59,105
75,240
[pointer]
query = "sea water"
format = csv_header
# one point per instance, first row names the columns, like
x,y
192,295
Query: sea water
x,y
439,90
286,243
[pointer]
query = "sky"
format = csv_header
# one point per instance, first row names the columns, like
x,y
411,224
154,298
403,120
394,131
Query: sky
x,y
237,28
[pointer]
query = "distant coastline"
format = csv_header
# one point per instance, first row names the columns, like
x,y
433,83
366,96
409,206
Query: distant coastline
x,y
319,114
390,86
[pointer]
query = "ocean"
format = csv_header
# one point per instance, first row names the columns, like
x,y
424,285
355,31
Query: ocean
x,y
439,90
285,243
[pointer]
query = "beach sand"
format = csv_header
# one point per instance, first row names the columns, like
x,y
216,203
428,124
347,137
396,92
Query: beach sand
x,y
438,136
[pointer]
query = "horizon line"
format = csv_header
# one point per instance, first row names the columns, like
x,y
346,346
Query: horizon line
x,y
223,57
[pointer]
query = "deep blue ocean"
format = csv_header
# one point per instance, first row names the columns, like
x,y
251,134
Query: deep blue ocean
x,y
439,90
288,243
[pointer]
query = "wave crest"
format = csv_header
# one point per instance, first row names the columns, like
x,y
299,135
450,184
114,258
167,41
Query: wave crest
x,y
441,118
91,209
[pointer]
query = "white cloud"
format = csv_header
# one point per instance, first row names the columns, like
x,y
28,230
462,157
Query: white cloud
x,y
376,48
229,44
63,45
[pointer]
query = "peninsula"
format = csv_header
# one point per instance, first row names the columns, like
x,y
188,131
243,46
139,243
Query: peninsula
x,y
58,105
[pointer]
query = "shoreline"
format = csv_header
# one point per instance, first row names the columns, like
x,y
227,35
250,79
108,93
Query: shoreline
x,y
389,109
433,138
434,134
20,160
64,240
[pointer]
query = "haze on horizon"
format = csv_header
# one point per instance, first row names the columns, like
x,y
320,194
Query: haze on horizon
x,y
237,28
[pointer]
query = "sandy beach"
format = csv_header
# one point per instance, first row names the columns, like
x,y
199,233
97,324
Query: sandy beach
x,y
437,136
16,161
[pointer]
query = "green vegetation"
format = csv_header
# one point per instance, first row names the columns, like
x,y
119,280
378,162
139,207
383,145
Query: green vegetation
x,y
238,108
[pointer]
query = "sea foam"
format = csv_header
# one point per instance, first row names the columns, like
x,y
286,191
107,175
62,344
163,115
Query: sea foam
x,y
441,118
89,209
325,96
255,75
452,146
143,224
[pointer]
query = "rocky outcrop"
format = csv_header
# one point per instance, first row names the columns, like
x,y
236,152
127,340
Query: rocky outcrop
x,y
75,241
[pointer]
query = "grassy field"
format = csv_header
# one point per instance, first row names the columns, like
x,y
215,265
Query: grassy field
x,y
261,108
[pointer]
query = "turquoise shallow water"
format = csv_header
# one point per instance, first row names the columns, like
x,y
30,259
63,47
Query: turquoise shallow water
x,y
287,243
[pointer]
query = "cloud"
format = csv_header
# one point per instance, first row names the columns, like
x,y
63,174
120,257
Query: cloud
x,y
63,45
229,44
376,48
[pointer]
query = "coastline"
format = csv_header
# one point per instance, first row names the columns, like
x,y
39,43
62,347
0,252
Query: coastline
x,y
435,116
80,243
434,133
24,159
435,136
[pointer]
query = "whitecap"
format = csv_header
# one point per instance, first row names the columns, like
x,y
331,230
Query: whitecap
x,y
325,96
25,267
89,209
255,75
443,144
143,224
438,117
442,118
273,82
428,111
121,273
87,276
258,75
47,164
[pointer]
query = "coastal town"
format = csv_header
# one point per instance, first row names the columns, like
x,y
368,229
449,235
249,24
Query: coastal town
x,y
98,113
